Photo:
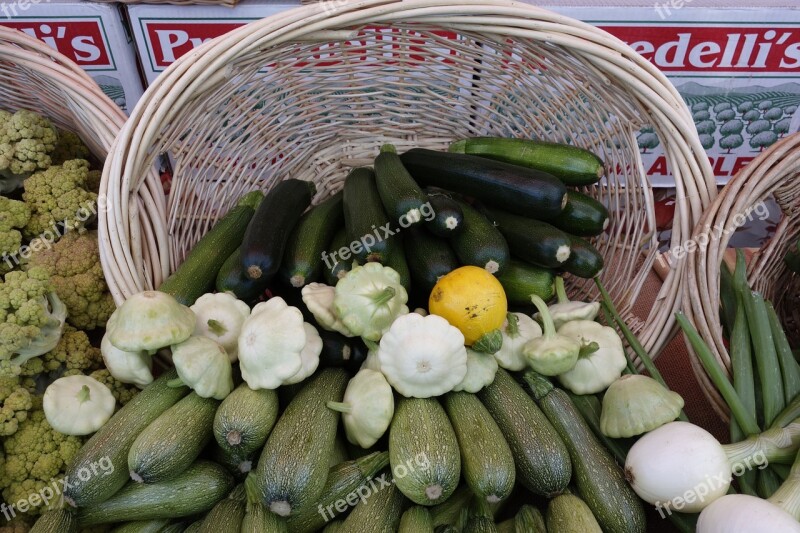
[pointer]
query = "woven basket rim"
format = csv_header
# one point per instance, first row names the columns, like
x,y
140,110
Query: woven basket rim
x,y
206,65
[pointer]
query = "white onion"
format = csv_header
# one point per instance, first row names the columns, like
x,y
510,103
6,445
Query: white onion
x,y
678,467
740,513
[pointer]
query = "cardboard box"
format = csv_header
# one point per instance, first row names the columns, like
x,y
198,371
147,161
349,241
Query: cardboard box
x,y
95,36
737,67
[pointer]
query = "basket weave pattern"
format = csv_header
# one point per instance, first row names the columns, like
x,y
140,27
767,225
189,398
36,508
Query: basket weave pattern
x,y
37,78
312,92
774,173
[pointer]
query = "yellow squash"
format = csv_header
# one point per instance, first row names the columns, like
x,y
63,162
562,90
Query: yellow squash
x,y
473,301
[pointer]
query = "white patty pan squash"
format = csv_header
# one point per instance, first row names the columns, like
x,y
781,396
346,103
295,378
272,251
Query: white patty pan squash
x,y
220,317
601,360
423,356
518,329
368,299
481,369
319,297
309,357
271,344
367,408
128,367
78,405
203,366
149,321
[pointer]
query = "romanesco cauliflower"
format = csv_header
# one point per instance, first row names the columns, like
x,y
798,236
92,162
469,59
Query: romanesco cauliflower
x,y
68,146
14,215
15,402
74,267
31,316
59,196
35,456
26,140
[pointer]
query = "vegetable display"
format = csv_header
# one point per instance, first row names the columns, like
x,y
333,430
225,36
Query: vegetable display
x,y
287,385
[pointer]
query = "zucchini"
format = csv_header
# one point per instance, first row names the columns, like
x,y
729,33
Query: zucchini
x,y
339,351
293,467
570,164
258,519
517,189
365,219
451,511
423,451
480,524
542,459
569,514
194,491
398,262
339,453
584,261
56,521
142,526
335,269
429,258
533,241
237,464
265,240
302,262
347,482
335,527
530,520
480,243
486,459
194,527
231,278
599,480
521,280
173,441
244,420
227,515
447,219
583,216
198,272
416,520
111,443
378,514
401,196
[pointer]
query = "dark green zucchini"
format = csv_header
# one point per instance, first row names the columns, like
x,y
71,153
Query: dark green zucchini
x,y
398,262
232,278
365,219
531,240
516,189
335,268
584,260
339,351
429,258
265,241
521,280
302,262
570,164
401,196
480,243
447,215
582,216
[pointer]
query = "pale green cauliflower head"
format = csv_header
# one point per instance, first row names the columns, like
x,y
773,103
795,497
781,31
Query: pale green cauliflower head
x,y
77,276
34,456
14,215
26,140
59,195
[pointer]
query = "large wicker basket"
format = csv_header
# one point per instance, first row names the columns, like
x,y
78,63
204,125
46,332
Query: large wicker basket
x,y
33,76
311,92
776,174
